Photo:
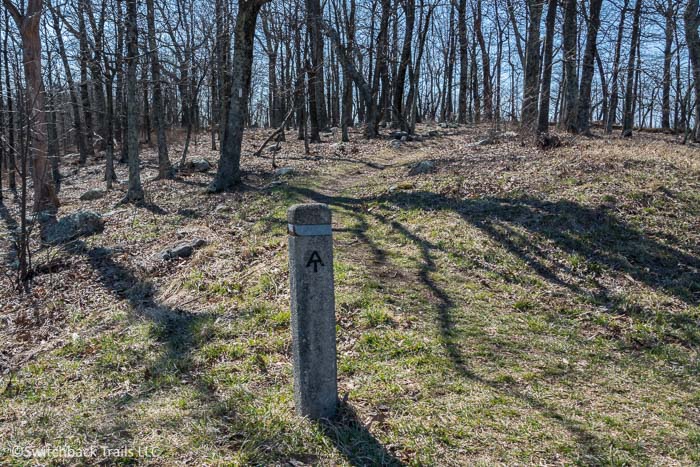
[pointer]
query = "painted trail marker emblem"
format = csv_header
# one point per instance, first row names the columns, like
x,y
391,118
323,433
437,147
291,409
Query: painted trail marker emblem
x,y
315,259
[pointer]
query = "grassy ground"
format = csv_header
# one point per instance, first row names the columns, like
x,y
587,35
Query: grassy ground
x,y
513,307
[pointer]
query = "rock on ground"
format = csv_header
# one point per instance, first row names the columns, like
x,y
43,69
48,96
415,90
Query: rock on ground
x,y
78,224
181,250
398,134
283,171
423,167
199,165
92,195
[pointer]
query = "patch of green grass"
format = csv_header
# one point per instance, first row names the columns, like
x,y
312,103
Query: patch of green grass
x,y
225,288
376,317
524,304
218,351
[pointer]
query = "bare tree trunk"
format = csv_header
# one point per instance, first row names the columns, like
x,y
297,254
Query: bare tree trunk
x,y
372,117
400,81
84,91
450,53
463,61
96,72
571,98
146,108
109,151
299,87
518,37
414,71
550,22
319,118
532,68
45,198
77,124
669,13
51,128
584,95
605,90
475,106
381,76
2,133
347,120
678,88
11,160
229,173
218,76
692,22
135,193
615,85
486,64
628,115
165,169
120,114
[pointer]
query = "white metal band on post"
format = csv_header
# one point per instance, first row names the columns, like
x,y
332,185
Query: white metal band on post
x,y
314,230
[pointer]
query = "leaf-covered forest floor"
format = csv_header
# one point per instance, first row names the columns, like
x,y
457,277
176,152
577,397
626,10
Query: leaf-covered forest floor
x,y
514,306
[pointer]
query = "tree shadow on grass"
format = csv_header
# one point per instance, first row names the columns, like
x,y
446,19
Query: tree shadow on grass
x,y
354,440
176,332
179,332
592,233
592,236
526,226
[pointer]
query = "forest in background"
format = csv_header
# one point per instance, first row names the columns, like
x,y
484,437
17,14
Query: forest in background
x,y
101,78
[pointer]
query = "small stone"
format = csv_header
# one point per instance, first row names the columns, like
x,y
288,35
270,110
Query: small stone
x,y
78,224
395,144
423,167
92,195
433,133
181,250
200,165
338,147
283,171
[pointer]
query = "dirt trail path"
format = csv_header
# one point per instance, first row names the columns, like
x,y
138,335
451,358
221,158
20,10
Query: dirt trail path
x,y
354,175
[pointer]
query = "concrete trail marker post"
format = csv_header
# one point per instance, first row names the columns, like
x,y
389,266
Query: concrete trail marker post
x,y
313,310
